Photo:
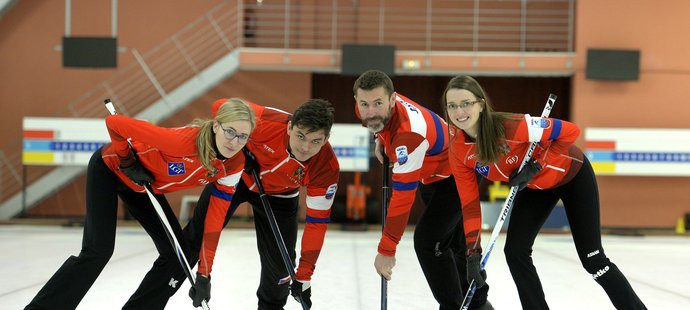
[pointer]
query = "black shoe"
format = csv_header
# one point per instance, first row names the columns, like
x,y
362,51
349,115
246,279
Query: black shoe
x,y
486,306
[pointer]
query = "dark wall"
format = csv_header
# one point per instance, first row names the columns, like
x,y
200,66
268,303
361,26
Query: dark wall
x,y
510,94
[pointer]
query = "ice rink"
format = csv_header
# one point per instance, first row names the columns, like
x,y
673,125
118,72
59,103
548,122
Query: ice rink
x,y
657,267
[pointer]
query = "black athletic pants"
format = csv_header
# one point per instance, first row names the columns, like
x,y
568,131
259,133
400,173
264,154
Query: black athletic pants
x,y
155,290
439,241
69,284
580,198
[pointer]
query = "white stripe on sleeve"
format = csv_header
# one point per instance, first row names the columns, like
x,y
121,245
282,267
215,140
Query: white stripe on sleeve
x,y
230,180
414,159
319,202
535,131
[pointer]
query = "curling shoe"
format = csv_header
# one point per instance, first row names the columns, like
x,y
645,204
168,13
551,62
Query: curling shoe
x,y
486,306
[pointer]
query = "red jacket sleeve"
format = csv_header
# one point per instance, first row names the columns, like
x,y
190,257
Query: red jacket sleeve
x,y
466,183
121,128
561,134
555,149
219,203
409,151
323,184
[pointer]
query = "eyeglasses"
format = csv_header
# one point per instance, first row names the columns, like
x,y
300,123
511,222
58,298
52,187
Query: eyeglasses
x,y
231,133
463,105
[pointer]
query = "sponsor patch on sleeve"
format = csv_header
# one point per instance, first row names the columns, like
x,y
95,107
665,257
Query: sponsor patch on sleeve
x,y
331,191
401,154
540,122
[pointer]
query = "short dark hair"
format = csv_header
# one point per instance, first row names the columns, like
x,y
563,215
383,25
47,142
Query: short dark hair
x,y
313,115
372,79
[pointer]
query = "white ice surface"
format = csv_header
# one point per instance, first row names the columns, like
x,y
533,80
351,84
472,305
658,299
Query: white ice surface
x,y
657,267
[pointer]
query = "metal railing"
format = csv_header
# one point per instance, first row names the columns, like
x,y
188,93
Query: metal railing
x,y
139,84
420,25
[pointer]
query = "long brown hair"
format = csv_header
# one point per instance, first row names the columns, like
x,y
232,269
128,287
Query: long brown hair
x,y
491,131
234,109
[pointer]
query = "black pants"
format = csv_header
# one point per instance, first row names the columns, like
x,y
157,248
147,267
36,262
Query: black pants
x,y
439,241
69,284
580,198
155,290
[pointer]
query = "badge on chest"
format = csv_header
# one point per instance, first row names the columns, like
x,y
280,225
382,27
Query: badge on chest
x,y
176,168
298,174
483,170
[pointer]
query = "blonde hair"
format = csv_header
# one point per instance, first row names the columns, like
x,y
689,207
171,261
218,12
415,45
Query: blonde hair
x,y
234,109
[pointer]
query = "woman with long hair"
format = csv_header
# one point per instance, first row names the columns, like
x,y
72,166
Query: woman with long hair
x,y
494,144
167,159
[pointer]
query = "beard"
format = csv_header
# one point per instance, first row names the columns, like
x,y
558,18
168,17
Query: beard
x,y
376,123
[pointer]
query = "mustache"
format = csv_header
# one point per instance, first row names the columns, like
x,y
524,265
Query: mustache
x,y
373,118
375,123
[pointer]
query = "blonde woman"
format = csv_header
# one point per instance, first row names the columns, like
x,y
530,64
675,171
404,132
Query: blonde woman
x,y
169,159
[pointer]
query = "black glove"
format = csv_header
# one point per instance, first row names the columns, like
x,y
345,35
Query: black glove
x,y
474,271
135,171
201,290
528,172
301,291
250,163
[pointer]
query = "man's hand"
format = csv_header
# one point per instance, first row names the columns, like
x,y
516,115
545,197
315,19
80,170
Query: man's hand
x,y
131,167
520,179
384,265
201,290
474,271
378,150
301,290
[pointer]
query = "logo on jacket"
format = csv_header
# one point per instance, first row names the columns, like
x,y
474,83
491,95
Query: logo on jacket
x,y
268,148
298,174
175,168
331,191
483,170
408,105
512,160
401,153
540,122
